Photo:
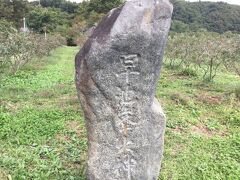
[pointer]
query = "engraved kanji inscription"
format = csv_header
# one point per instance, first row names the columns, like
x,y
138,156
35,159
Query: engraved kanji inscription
x,y
130,66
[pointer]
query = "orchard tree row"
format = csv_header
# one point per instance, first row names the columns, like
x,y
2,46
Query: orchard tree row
x,y
205,52
18,48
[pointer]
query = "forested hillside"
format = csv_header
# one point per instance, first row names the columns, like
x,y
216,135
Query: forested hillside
x,y
218,17
72,19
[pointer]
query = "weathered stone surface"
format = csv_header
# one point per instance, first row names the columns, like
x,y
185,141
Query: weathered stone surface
x,y
116,77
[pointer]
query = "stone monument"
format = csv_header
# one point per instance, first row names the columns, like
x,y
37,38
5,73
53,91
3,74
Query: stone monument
x,y
116,77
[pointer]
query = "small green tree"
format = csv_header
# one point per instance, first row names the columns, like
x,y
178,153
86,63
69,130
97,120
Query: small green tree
x,y
47,17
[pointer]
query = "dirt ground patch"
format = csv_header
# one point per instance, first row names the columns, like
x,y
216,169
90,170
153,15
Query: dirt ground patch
x,y
63,138
75,126
204,131
46,94
177,129
206,98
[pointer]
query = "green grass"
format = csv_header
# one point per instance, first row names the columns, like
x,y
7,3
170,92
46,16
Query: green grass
x,y
202,139
42,134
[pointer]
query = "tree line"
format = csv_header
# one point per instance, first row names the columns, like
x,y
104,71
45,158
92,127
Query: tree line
x,y
213,16
71,19
67,18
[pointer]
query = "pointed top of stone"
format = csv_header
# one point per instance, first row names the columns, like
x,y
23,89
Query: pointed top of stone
x,y
133,17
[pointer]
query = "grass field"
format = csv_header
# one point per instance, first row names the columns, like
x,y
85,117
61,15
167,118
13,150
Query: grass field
x,y
42,134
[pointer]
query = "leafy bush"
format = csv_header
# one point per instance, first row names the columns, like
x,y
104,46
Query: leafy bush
x,y
17,48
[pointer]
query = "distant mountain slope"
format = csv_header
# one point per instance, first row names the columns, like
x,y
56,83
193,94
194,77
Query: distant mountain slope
x,y
218,17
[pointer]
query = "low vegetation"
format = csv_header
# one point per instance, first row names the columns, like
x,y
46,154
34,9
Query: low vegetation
x,y
18,48
42,126
42,134
206,52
